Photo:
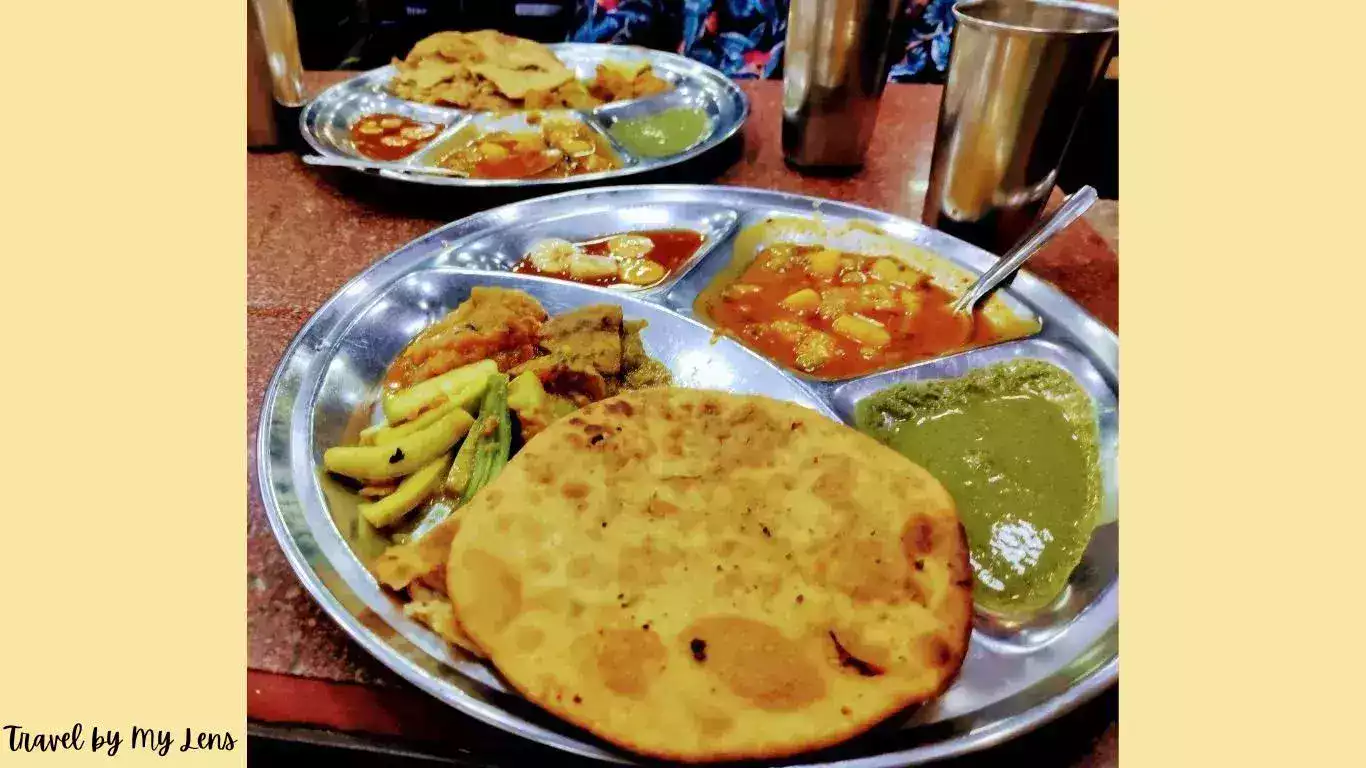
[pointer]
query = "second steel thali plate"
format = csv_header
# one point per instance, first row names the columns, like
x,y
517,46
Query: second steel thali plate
x,y
326,122
1015,676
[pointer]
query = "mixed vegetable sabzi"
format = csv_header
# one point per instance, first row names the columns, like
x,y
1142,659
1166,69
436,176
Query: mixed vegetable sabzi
x,y
457,403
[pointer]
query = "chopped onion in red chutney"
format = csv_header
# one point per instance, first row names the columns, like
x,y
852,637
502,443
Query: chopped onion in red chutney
x,y
640,259
391,137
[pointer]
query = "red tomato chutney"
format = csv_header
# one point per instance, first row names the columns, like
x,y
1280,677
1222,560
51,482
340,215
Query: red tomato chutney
x,y
639,259
835,315
390,137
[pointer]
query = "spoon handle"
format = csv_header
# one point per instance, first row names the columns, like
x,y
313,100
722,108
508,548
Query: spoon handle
x,y
364,165
1072,208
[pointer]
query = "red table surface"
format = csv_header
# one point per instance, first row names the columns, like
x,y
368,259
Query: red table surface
x,y
305,238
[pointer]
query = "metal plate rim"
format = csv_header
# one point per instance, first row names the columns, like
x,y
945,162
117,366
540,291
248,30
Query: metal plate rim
x,y
640,166
400,665
271,470
991,733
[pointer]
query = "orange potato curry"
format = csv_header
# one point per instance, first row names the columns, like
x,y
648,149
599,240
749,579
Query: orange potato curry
x,y
834,314
559,148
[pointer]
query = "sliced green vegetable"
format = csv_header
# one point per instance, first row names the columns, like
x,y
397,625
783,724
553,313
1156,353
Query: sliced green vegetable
x,y
425,518
464,385
367,435
414,490
494,436
561,406
387,435
433,515
526,393
463,466
383,432
410,453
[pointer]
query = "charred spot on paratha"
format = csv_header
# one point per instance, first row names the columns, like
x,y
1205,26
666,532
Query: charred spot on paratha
x,y
758,663
847,660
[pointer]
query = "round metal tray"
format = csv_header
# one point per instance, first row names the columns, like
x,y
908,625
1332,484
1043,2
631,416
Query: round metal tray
x,y
326,121
1014,678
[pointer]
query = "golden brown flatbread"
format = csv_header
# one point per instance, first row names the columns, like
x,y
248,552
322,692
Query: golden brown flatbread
x,y
701,576
514,83
483,69
512,52
453,46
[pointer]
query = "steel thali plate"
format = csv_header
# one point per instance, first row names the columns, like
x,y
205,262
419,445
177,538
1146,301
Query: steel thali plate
x,y
326,121
1016,676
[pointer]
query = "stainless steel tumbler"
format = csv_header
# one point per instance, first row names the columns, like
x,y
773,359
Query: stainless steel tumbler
x,y
281,41
835,65
262,130
275,85
1019,74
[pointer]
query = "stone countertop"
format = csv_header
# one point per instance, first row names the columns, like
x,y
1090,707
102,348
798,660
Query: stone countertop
x,y
306,236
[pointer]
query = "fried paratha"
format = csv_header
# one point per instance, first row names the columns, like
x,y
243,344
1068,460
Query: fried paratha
x,y
701,576
489,70
481,70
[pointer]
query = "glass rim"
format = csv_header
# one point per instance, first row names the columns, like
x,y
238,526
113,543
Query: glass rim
x,y
961,14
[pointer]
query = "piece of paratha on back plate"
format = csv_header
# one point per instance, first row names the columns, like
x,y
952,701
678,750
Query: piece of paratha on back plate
x,y
702,576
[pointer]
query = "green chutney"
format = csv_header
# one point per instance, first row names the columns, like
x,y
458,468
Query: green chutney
x,y
663,134
1015,443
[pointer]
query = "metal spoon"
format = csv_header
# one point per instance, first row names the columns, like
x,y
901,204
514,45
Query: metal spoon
x,y
370,165
1074,206
552,156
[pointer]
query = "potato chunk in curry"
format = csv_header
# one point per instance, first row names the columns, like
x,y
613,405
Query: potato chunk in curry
x,y
836,314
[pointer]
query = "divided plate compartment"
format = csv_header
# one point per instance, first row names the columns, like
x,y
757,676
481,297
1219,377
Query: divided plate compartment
x,y
1016,675
501,247
326,122
683,296
473,127
685,96
1098,572
339,383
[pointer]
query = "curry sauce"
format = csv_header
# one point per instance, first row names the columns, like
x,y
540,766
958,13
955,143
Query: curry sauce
x,y
641,258
835,314
555,148
390,137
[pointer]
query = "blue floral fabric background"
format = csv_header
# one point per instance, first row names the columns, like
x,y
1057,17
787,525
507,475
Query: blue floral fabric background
x,y
744,38
927,48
